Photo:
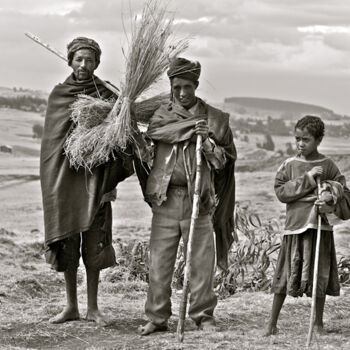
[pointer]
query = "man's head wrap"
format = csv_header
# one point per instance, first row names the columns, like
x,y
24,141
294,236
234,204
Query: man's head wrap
x,y
83,43
184,69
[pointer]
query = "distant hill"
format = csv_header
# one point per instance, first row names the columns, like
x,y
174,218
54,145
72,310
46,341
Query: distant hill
x,y
19,91
278,109
17,132
23,99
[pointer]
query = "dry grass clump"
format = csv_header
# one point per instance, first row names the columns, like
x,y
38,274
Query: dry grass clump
x,y
91,116
151,47
130,274
86,147
88,112
30,287
4,232
132,262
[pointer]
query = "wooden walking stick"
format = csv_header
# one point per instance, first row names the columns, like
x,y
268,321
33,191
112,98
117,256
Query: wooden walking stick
x,y
63,57
194,216
315,277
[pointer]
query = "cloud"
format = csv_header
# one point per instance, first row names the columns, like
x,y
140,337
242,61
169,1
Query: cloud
x,y
339,41
335,37
194,21
41,7
235,40
323,29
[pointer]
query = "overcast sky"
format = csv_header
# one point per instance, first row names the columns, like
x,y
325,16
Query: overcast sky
x,y
287,49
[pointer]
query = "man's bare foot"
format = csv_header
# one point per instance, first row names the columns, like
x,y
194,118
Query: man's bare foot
x,y
318,328
98,317
150,328
207,326
271,330
68,314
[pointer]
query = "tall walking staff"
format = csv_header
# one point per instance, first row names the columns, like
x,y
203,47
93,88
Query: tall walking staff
x,y
317,257
194,216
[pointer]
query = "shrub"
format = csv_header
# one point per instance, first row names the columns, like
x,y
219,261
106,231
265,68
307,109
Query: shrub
x,y
290,151
268,143
252,258
344,270
38,130
132,262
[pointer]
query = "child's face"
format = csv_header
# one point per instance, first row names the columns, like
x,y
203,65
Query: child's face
x,y
305,142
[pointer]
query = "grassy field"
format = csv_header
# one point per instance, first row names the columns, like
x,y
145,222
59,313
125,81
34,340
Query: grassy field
x,y
30,293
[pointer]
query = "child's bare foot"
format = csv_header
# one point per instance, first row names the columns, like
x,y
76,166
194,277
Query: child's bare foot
x,y
208,326
271,330
68,314
98,317
150,328
318,328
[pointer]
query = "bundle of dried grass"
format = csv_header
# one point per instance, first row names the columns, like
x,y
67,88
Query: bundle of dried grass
x,y
88,112
86,146
151,48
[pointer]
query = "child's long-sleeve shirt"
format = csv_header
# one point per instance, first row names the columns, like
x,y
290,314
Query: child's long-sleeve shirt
x,y
298,189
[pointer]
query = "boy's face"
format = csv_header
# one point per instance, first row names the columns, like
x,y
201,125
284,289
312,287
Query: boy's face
x,y
305,142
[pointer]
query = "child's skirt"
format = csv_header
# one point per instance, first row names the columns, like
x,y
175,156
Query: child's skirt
x,y
295,265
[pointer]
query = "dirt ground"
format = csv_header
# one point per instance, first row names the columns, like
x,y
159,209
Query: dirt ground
x,y
30,293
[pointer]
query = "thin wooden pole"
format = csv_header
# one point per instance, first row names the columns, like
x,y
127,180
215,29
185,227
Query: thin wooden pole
x,y
64,58
46,46
194,216
315,277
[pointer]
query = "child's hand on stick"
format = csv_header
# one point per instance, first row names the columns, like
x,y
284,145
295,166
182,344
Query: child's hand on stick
x,y
325,202
316,171
323,207
326,196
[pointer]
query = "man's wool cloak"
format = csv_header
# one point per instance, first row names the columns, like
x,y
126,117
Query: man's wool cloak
x,y
172,124
71,198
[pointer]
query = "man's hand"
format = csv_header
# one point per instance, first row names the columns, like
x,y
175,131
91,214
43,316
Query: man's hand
x,y
202,128
323,207
316,171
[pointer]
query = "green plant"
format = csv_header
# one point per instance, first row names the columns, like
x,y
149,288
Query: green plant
x,y
178,276
38,130
267,144
252,258
344,270
132,262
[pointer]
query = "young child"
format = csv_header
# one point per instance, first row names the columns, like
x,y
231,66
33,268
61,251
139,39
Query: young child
x,y
296,185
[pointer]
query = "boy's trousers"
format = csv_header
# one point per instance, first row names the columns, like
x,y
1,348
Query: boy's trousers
x,y
170,221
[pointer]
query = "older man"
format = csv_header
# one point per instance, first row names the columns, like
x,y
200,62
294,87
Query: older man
x,y
170,187
77,211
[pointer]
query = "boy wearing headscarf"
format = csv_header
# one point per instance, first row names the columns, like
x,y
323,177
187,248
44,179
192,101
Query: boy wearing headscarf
x,y
77,208
173,128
